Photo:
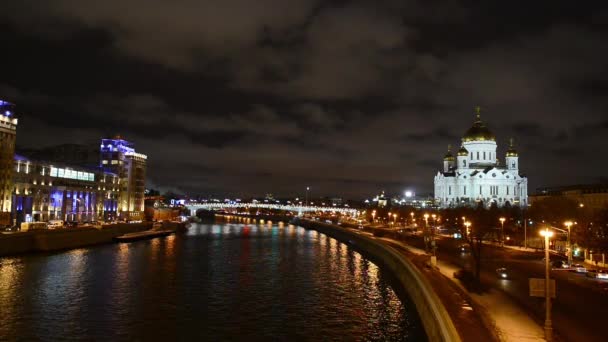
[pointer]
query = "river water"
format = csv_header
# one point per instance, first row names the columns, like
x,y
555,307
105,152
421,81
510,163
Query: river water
x,y
240,281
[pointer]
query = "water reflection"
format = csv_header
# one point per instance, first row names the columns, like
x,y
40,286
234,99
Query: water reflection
x,y
235,281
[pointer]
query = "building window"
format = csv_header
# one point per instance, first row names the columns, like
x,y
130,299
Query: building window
x,y
449,190
477,155
471,155
480,190
104,162
114,162
484,156
465,189
513,165
464,163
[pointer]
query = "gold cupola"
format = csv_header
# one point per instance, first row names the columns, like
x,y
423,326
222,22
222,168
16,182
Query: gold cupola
x,y
479,131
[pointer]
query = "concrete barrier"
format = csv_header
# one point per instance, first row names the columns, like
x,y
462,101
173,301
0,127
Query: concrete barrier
x,y
436,321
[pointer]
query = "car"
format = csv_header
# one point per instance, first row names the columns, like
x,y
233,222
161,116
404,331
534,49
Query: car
x,y
599,274
578,268
502,273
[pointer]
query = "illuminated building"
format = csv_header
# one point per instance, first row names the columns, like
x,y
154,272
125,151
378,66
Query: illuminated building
x,y
589,196
46,191
118,156
8,135
475,176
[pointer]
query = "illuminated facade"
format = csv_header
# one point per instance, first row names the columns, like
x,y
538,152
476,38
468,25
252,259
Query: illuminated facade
x,y
590,196
47,191
118,156
8,135
475,176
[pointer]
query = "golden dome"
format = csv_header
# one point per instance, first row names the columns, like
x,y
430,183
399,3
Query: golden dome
x,y
511,152
448,156
463,151
479,131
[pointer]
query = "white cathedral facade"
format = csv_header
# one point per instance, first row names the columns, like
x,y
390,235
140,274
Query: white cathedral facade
x,y
476,175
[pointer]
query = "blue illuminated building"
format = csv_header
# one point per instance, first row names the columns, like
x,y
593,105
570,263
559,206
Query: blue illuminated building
x,y
68,182
46,191
119,157
8,136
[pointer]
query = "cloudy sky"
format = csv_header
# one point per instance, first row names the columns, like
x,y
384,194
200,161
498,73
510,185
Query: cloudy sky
x,y
241,97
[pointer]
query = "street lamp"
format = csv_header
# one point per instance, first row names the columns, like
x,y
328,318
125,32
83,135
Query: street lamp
x,y
373,216
548,328
426,232
412,215
307,188
467,224
568,224
394,219
502,231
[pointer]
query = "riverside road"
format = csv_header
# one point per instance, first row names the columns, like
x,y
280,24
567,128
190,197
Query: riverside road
x,y
576,294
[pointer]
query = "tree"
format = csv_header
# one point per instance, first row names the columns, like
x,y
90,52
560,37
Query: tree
x,y
475,229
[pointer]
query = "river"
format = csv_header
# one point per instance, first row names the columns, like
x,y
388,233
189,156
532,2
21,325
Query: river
x,y
222,281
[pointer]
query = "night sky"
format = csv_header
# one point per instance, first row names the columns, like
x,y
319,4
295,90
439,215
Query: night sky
x,y
238,98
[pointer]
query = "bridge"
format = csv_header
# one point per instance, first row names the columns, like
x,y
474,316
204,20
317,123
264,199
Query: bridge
x,y
275,206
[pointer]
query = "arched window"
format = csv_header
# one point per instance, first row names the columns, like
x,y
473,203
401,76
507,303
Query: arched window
x,y
464,163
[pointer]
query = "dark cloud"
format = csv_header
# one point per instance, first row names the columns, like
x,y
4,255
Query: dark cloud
x,y
345,96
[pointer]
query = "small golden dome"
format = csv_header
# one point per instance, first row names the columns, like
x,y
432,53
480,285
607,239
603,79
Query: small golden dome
x,y
448,156
511,152
463,152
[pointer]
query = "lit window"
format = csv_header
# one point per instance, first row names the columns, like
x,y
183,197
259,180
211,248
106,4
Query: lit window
x,y
114,162
104,161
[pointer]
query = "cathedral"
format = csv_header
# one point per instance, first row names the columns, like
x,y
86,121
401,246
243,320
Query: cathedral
x,y
475,175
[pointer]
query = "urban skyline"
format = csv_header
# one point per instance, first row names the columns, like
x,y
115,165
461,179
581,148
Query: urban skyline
x,y
346,97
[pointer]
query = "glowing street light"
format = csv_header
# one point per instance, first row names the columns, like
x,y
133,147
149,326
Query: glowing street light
x,y
373,216
568,224
502,231
548,325
394,219
467,224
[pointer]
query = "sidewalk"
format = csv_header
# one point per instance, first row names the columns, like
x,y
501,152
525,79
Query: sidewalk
x,y
510,321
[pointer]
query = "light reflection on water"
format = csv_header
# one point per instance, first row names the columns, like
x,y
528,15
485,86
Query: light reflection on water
x,y
231,281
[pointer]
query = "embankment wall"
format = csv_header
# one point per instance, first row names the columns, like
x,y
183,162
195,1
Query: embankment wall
x,y
435,318
66,238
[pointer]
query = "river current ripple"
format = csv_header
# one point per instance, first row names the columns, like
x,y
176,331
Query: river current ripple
x,y
239,281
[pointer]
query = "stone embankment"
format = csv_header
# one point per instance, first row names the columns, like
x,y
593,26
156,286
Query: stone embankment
x,y
66,238
434,316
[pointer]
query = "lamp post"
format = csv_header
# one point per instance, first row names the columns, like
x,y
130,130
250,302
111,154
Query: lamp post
x,y
373,216
568,224
433,232
502,231
394,219
426,231
467,224
412,215
548,325
307,188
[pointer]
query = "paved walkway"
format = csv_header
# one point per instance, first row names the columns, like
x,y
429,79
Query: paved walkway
x,y
509,320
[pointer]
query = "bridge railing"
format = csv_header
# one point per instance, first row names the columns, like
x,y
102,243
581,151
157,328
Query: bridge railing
x,y
285,207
